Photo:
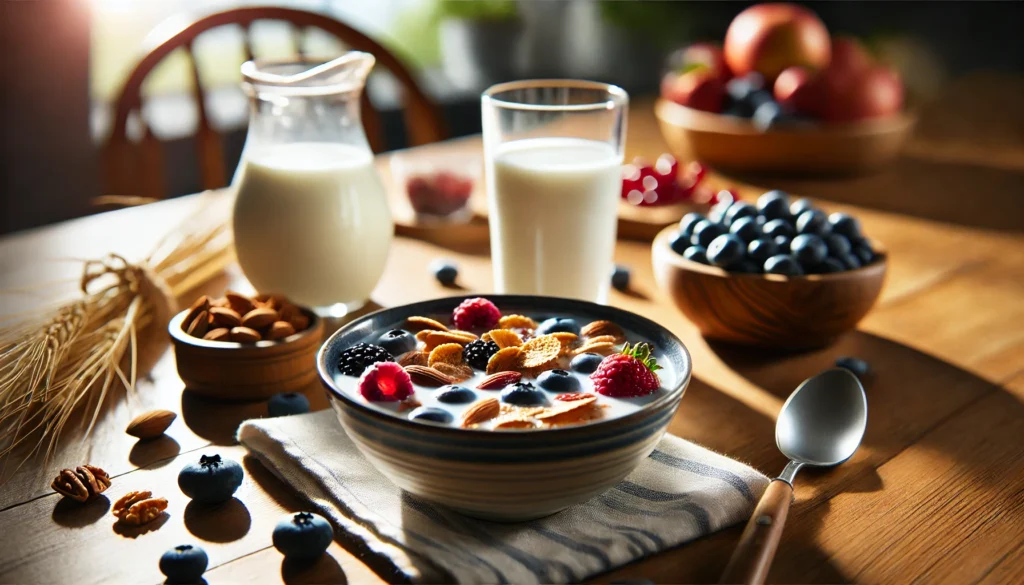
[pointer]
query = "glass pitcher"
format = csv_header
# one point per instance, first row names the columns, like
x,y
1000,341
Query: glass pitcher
x,y
311,218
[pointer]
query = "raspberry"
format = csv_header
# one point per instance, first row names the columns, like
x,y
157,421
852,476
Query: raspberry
x,y
385,382
477,313
627,374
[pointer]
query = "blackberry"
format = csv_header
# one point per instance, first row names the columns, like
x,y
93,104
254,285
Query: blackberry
x,y
478,352
360,356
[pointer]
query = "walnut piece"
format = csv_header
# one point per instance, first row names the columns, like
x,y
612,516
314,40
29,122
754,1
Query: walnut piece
x,y
81,483
137,508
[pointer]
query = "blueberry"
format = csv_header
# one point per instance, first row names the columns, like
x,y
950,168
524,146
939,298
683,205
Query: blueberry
x,y
857,366
620,277
689,220
287,403
864,254
746,267
429,414
558,381
829,266
758,98
397,342
303,536
738,210
808,249
782,244
726,250
778,227
812,221
773,205
761,249
586,363
444,271
851,261
746,229
783,264
799,206
558,325
696,254
844,225
522,394
741,90
768,115
704,232
737,110
453,394
679,241
184,563
838,246
211,480
717,213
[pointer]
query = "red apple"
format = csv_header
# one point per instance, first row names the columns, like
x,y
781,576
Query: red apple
x,y
849,54
798,90
768,38
700,55
851,96
700,89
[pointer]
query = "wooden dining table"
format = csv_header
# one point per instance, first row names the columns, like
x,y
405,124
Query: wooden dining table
x,y
934,494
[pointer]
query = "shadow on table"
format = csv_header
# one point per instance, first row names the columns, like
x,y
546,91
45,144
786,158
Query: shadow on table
x,y
215,420
323,569
956,192
224,522
71,514
155,452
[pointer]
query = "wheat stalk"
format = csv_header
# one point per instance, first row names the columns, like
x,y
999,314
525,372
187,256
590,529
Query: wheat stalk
x,y
68,356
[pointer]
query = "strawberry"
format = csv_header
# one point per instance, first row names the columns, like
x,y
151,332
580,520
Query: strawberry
x,y
627,374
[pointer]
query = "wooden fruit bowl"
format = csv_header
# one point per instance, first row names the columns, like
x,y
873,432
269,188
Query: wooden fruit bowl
x,y
767,310
734,144
246,371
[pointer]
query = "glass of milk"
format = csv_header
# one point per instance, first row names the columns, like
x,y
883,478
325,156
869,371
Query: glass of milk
x,y
311,218
552,154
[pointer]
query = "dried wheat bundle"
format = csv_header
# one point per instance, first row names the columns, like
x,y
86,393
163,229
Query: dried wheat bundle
x,y
71,355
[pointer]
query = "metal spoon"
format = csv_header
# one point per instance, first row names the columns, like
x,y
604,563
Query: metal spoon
x,y
822,424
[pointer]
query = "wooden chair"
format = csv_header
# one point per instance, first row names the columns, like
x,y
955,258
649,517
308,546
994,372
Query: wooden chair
x,y
137,168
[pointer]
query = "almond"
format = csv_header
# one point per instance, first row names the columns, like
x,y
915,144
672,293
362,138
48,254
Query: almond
x,y
597,328
299,322
259,318
481,411
219,334
200,325
222,317
150,425
244,335
414,358
425,376
499,380
288,312
601,348
201,304
280,330
239,302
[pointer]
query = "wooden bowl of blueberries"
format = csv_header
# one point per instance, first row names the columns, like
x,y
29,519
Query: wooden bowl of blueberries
x,y
772,274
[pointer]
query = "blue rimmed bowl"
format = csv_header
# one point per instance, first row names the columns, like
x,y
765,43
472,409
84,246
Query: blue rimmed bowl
x,y
508,475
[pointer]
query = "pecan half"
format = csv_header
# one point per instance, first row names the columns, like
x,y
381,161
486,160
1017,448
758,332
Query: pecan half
x,y
81,483
137,508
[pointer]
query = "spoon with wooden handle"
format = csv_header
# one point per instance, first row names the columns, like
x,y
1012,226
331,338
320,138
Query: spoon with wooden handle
x,y
821,424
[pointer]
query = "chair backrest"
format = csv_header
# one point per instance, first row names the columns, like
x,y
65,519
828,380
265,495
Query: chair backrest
x,y
136,168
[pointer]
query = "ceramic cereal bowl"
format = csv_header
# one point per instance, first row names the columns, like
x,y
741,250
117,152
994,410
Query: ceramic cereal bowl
x,y
507,475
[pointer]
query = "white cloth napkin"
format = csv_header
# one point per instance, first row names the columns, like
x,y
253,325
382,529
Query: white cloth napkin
x,y
681,492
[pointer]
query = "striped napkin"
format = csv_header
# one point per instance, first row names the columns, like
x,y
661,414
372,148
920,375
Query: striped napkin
x,y
681,492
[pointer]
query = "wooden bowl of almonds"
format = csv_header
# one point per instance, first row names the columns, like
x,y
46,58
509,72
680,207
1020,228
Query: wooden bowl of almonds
x,y
239,347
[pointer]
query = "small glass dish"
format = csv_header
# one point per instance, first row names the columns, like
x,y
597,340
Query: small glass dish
x,y
438,186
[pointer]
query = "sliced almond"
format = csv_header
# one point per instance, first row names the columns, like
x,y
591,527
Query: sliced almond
x,y
601,339
597,328
457,372
225,317
426,376
419,323
259,318
480,412
603,348
433,339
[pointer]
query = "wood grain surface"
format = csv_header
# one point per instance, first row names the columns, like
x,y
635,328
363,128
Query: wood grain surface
x,y
933,495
